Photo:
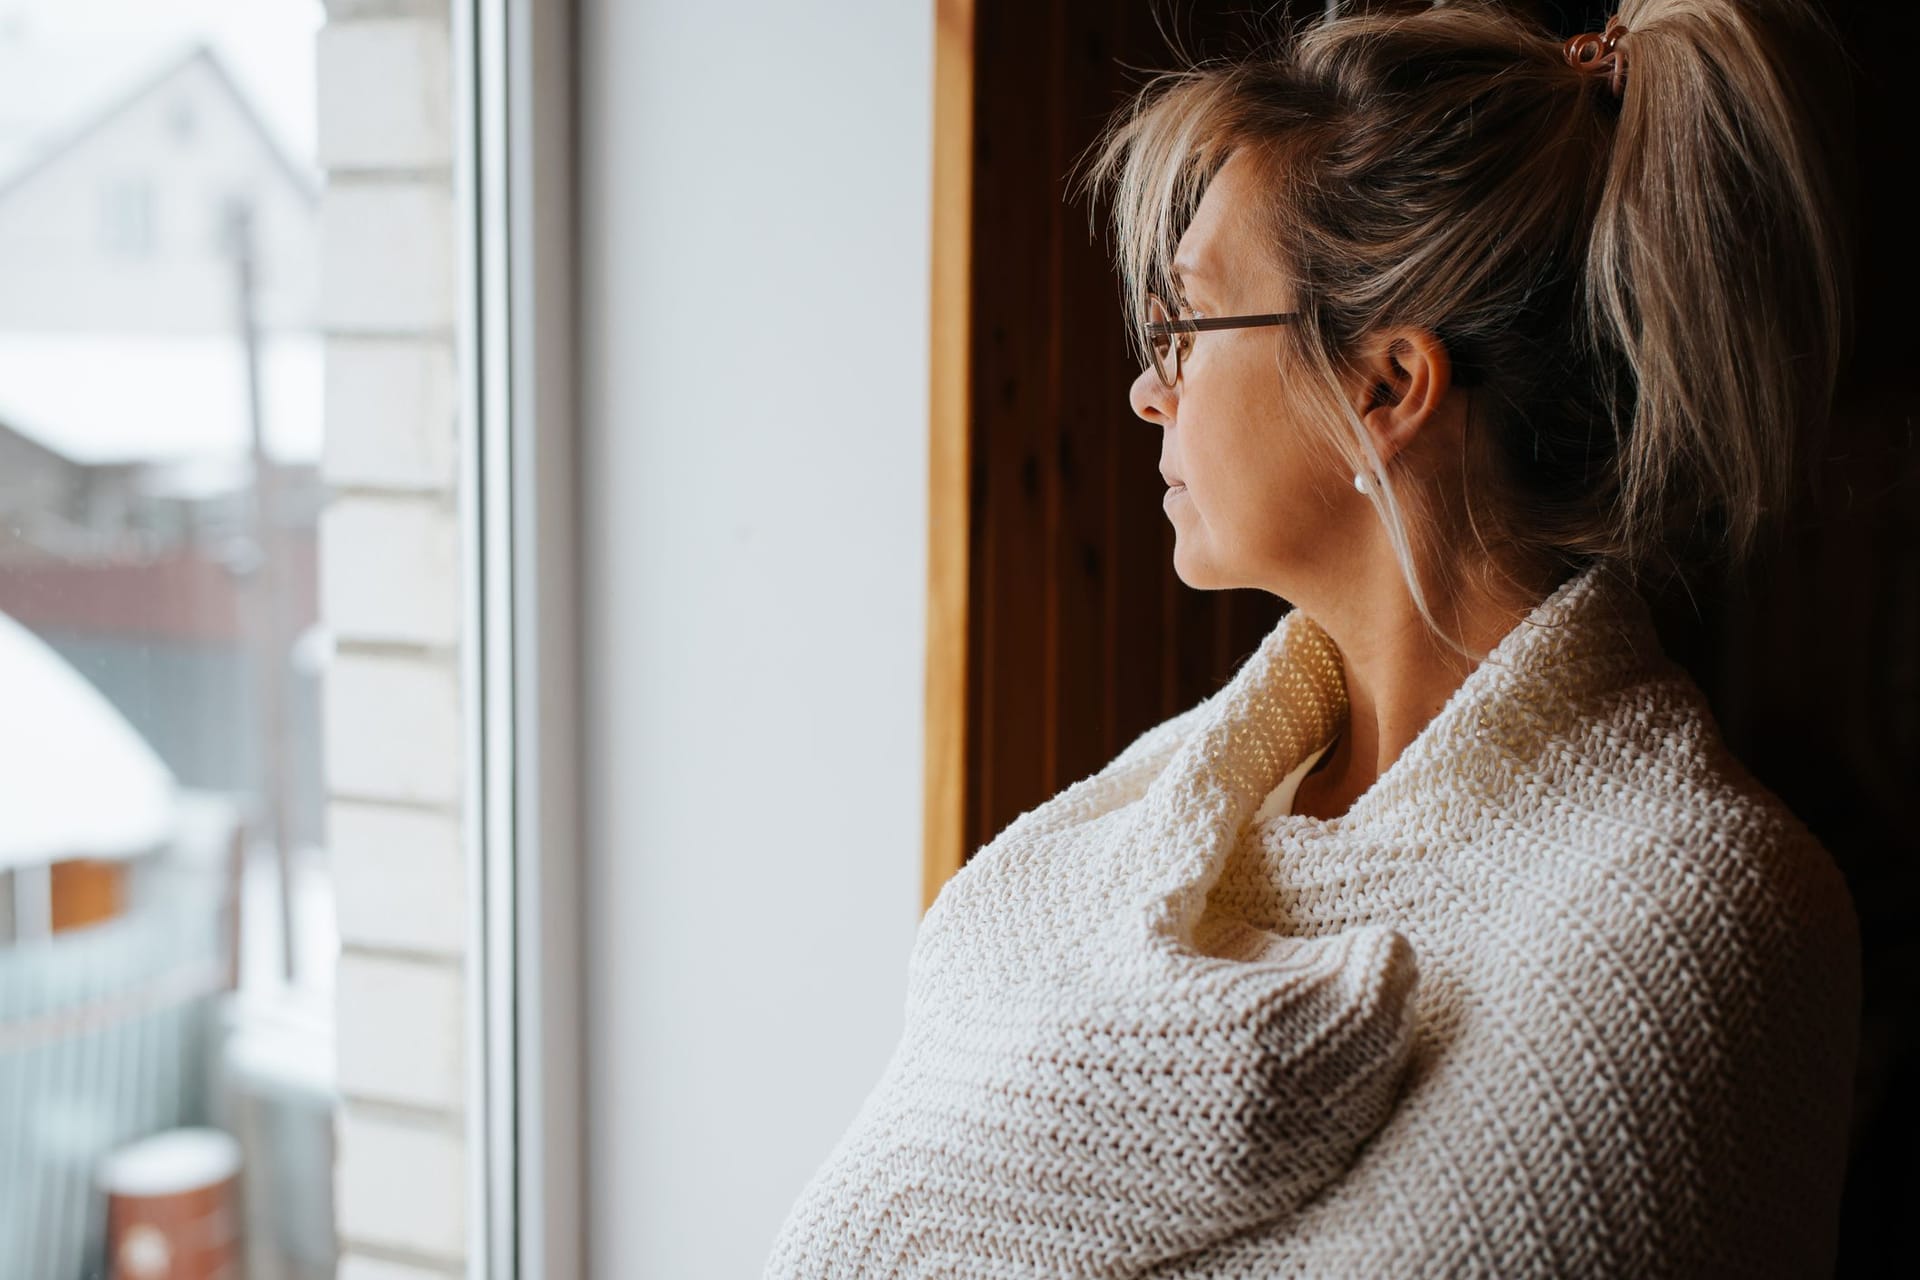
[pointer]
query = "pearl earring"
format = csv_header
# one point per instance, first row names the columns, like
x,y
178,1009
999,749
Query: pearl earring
x,y
1360,482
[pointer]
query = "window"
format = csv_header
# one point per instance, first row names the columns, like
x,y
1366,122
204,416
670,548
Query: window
x,y
265,644
167,933
126,217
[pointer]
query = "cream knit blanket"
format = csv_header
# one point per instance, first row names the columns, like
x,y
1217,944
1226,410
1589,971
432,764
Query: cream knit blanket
x,y
1566,993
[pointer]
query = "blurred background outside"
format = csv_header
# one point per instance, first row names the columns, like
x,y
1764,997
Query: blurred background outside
x,y
166,927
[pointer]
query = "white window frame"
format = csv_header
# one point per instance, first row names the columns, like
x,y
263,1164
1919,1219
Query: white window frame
x,y
513,199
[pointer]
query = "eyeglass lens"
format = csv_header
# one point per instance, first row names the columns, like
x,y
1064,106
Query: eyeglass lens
x,y
1164,347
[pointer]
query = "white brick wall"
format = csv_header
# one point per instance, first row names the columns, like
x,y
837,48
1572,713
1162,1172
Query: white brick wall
x,y
399,879
390,407
362,1267
384,90
399,1184
390,569
400,1031
393,726
391,594
385,258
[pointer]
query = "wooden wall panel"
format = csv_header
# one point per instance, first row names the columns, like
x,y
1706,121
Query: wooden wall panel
x,y
1015,299
1078,634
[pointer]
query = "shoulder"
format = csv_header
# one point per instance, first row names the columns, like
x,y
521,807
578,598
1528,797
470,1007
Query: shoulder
x,y
1671,835
1717,952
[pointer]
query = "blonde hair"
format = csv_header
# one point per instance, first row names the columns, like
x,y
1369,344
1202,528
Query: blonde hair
x,y
1644,296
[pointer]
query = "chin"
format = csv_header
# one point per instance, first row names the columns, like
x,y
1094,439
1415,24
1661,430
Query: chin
x,y
1198,576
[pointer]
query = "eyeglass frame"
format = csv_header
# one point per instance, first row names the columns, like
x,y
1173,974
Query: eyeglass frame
x,y
1170,329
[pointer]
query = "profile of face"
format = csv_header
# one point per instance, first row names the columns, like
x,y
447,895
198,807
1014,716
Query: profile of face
x,y
1244,499
1252,505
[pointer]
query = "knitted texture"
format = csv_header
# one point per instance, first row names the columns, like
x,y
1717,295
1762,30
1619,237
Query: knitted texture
x,y
1565,993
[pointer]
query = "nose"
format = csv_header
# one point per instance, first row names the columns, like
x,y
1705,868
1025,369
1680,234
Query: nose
x,y
1151,398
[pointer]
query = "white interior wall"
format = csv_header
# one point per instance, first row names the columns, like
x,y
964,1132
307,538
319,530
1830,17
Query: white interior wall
x,y
754,266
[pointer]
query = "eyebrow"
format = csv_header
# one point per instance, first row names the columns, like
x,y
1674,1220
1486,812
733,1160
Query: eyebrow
x,y
1182,272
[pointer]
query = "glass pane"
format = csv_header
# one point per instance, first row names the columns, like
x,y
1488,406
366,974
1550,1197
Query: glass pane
x,y
166,925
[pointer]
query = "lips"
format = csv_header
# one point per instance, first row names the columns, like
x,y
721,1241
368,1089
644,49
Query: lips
x,y
1173,482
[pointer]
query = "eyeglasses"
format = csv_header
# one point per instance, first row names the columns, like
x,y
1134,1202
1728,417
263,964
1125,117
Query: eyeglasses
x,y
1168,339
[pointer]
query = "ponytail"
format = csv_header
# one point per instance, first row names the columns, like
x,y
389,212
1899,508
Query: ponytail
x,y
1717,266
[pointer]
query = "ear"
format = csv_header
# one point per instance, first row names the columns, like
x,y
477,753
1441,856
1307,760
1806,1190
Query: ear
x,y
1406,375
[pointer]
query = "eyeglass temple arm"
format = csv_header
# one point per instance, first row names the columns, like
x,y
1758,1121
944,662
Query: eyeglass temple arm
x,y
1161,328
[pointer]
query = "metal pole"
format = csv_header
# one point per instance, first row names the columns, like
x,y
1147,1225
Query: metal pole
x,y
267,648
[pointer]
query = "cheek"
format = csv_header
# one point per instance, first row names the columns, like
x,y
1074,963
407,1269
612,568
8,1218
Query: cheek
x,y
1259,491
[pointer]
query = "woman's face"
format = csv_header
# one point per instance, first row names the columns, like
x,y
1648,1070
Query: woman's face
x,y
1252,507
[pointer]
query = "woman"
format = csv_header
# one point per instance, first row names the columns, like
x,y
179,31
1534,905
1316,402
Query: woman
x,y
1448,938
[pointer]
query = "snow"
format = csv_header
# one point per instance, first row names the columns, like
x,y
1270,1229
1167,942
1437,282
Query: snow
x,y
76,780
111,397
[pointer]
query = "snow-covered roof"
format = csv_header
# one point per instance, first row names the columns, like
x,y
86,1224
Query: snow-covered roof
x,y
63,62
100,398
76,780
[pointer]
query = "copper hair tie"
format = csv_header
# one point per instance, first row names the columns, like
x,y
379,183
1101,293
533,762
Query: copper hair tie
x,y
1601,52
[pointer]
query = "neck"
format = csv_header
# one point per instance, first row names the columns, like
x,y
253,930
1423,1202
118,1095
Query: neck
x,y
1398,677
